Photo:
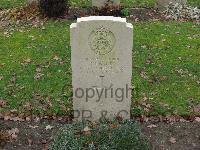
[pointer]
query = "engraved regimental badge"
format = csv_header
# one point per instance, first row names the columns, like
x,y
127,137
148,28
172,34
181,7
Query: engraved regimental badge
x,y
102,41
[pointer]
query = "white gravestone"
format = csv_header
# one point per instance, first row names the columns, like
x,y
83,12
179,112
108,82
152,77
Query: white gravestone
x,y
101,67
102,3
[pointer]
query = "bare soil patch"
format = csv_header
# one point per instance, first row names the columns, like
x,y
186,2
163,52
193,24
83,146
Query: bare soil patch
x,y
162,136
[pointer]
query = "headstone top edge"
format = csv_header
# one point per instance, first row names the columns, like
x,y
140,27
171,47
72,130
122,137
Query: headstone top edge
x,y
129,25
101,18
73,25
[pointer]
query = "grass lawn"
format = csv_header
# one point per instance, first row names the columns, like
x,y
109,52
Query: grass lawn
x,y
35,69
87,3
11,3
82,3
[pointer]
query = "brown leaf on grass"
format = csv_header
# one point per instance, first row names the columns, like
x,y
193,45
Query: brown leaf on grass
x,y
143,46
144,118
163,78
143,74
146,110
2,103
13,111
38,76
1,78
27,106
26,62
164,105
196,109
146,105
57,58
13,79
5,33
172,140
149,61
38,69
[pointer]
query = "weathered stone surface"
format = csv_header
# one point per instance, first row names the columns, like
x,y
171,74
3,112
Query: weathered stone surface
x,y
101,67
101,3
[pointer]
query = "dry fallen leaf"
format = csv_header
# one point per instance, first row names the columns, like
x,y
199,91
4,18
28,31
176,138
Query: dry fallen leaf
x,y
146,110
144,46
44,141
6,117
196,108
56,58
30,142
49,127
4,136
152,126
28,118
33,127
2,103
113,126
143,74
17,119
183,120
1,78
87,130
26,61
197,119
13,133
38,76
172,140
38,69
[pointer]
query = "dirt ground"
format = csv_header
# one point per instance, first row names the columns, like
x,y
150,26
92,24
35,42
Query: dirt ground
x,y
162,136
173,136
